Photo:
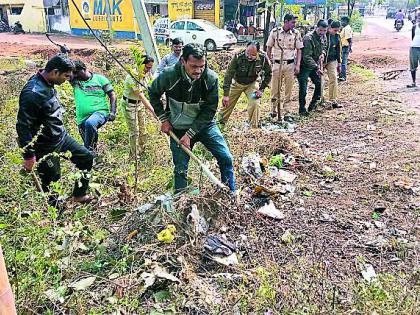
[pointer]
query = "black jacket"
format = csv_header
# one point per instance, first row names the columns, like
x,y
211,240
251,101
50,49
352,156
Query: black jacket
x,y
313,48
192,105
39,106
334,49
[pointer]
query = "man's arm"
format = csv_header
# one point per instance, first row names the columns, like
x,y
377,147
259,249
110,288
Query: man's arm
x,y
307,54
230,73
26,119
208,110
113,101
267,74
156,90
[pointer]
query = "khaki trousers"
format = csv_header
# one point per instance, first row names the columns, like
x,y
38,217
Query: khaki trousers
x,y
287,74
236,89
135,118
332,79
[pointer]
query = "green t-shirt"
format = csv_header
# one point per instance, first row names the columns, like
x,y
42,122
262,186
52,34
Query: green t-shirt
x,y
91,96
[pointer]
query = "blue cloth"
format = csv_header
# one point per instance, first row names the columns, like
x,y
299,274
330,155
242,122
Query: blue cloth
x,y
167,61
88,129
344,58
213,140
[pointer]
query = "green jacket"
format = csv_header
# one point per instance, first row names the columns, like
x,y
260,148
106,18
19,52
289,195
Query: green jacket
x,y
313,48
192,105
245,71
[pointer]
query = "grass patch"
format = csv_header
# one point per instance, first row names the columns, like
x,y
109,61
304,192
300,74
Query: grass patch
x,y
366,74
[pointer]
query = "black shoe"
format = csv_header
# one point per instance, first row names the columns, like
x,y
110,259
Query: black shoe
x,y
289,119
311,107
341,79
336,105
412,85
303,112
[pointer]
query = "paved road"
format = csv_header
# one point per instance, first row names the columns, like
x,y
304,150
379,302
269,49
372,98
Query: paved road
x,y
388,24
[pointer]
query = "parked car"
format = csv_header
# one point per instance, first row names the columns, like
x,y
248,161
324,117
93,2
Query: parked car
x,y
390,13
202,32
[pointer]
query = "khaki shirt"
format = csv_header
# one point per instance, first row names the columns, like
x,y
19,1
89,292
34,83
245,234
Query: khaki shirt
x,y
132,88
289,41
346,34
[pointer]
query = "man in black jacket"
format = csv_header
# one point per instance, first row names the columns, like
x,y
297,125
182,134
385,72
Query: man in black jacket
x,y
41,132
314,51
333,61
191,90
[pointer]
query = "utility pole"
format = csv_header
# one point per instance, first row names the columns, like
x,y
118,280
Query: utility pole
x,y
146,30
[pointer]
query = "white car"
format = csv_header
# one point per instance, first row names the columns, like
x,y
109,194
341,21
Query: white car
x,y
202,32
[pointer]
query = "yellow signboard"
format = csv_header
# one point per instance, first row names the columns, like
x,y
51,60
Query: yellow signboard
x,y
95,13
180,9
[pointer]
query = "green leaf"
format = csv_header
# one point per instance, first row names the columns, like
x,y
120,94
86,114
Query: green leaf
x,y
376,216
162,296
308,193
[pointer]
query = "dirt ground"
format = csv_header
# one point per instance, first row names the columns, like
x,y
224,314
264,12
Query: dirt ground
x,y
364,207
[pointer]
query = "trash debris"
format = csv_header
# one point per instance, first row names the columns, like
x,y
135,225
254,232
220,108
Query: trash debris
x,y
286,176
132,235
199,223
167,235
216,244
368,272
145,208
277,161
251,165
156,271
372,165
165,201
379,224
227,261
380,209
281,127
82,284
308,193
221,250
405,183
56,295
376,216
287,237
271,211
325,217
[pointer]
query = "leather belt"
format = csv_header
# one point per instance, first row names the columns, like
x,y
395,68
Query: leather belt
x,y
129,100
285,61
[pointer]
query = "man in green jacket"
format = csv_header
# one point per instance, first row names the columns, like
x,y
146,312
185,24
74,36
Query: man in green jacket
x,y
314,51
245,69
192,96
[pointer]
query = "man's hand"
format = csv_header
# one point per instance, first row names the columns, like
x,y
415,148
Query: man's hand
x,y
297,69
112,116
186,141
225,101
350,50
258,94
319,72
339,68
166,127
28,164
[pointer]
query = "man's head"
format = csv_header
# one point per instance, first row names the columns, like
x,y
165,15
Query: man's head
x,y
194,60
334,27
59,69
345,21
400,10
252,49
80,71
289,22
148,63
321,27
177,44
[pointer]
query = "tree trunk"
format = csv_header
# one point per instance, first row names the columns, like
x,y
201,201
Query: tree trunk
x,y
267,27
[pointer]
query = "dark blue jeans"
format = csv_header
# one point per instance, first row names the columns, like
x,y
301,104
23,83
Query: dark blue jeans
x,y
49,169
213,140
88,129
303,87
344,59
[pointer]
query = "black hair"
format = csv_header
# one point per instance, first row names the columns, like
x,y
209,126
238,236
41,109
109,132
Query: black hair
x,y
79,65
335,24
330,21
193,49
254,43
322,23
345,19
147,58
60,62
177,41
289,17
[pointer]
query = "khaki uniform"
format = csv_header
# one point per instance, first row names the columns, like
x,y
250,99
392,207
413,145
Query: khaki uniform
x,y
288,41
135,115
242,76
